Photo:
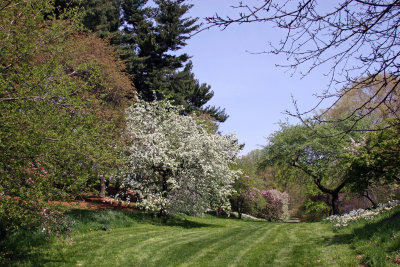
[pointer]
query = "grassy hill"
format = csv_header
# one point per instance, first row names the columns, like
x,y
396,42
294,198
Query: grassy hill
x,y
117,238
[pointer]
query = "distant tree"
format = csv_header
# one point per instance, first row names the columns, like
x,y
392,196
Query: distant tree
x,y
239,198
357,38
174,164
378,106
321,159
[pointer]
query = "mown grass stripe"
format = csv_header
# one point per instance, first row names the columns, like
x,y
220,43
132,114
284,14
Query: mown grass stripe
x,y
247,244
153,247
203,242
193,251
265,251
101,244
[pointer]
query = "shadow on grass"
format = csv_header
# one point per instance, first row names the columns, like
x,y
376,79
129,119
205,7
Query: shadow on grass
x,y
106,219
23,247
387,226
376,239
17,247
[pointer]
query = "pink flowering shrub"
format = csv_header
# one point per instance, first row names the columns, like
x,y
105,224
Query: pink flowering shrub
x,y
271,204
277,207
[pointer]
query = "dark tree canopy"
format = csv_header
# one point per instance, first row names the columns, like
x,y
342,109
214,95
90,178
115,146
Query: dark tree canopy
x,y
100,16
153,36
148,36
358,39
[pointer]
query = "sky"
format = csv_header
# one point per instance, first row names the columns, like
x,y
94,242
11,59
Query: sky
x,y
254,92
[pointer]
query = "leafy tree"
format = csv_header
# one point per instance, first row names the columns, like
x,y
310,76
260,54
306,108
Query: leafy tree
x,y
174,164
375,160
62,97
355,38
238,199
377,107
321,159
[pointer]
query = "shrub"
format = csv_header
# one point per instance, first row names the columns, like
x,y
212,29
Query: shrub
x,y
272,204
277,207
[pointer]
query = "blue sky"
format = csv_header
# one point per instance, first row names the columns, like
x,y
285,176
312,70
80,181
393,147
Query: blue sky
x,y
254,92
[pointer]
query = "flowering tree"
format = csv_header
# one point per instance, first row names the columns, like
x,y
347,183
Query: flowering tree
x,y
174,164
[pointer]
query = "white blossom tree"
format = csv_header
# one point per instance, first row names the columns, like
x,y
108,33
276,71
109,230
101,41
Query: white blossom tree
x,y
174,164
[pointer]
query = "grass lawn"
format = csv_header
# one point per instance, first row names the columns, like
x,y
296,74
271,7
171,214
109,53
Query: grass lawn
x,y
102,238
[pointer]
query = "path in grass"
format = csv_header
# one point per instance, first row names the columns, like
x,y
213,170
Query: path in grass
x,y
207,242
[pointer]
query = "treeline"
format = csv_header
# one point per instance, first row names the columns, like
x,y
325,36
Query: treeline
x,y
148,36
96,91
350,160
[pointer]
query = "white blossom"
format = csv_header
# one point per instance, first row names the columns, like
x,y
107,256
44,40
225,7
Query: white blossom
x,y
174,164
343,220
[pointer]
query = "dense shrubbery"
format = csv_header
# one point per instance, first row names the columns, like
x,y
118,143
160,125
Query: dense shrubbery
x,y
277,207
62,100
271,205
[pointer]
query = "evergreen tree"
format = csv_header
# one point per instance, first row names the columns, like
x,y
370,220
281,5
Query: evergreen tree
x,y
148,38
100,16
189,93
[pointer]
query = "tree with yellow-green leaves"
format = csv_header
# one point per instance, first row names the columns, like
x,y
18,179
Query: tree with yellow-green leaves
x,y
62,101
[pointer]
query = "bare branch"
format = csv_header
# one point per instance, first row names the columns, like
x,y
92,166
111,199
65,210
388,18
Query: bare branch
x,y
358,39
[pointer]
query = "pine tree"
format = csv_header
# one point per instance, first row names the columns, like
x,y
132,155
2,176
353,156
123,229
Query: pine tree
x,y
100,16
148,38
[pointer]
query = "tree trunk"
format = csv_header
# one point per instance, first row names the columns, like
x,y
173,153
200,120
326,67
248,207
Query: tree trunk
x,y
102,186
240,205
164,192
335,203
370,199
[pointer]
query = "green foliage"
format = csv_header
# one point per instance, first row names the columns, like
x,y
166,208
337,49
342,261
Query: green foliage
x,y
314,210
319,151
375,160
62,108
100,16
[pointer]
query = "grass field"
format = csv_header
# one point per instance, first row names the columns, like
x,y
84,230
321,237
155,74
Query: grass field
x,y
114,238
